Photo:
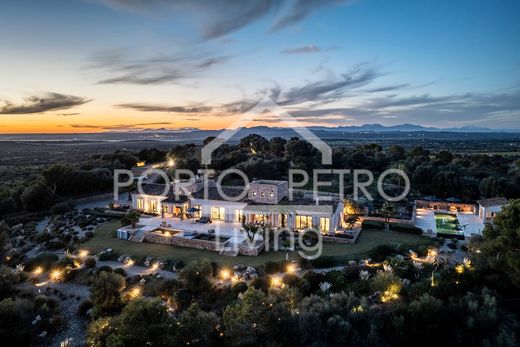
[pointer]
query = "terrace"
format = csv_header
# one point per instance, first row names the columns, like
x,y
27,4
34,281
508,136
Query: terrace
x,y
448,224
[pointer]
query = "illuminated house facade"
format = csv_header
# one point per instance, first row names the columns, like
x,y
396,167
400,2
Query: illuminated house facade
x,y
263,202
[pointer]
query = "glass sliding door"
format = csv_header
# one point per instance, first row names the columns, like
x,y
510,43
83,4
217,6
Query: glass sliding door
x,y
324,224
217,213
303,222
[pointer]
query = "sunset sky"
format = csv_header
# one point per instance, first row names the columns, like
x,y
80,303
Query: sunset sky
x,y
104,65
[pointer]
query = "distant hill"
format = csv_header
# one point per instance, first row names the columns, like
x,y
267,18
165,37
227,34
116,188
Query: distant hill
x,y
408,128
403,131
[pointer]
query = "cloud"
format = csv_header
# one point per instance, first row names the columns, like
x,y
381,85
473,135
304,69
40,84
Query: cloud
x,y
213,18
302,49
156,69
217,18
130,126
164,108
68,114
330,89
42,103
299,10
195,111
451,109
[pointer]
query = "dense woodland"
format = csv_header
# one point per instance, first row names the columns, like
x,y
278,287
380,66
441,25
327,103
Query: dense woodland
x,y
439,173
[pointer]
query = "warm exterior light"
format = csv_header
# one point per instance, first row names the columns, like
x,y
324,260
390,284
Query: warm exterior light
x,y
38,270
276,282
56,275
459,269
83,253
155,266
391,293
291,268
171,162
224,274
167,233
130,263
135,292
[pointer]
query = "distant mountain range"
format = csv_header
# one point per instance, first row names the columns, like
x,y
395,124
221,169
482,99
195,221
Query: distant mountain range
x,y
372,131
409,128
376,128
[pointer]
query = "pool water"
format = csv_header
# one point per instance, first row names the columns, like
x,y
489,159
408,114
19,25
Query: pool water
x,y
447,225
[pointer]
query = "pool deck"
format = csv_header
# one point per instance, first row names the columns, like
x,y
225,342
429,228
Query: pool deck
x,y
425,219
225,229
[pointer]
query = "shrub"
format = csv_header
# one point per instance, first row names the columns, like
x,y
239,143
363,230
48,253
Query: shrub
x,y
44,260
323,261
90,262
273,267
120,271
61,208
379,253
260,283
239,287
372,225
108,256
452,245
104,268
405,228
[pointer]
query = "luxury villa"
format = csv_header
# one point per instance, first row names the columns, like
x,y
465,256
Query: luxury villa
x,y
198,214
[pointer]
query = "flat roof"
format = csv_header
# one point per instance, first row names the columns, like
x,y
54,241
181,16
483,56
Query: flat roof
x,y
275,182
498,201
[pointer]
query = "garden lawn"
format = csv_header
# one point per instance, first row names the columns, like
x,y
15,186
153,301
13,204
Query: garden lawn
x,y
104,237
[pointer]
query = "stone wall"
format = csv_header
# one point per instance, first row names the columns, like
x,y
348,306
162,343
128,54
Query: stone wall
x,y
182,242
267,192
382,219
244,249
333,239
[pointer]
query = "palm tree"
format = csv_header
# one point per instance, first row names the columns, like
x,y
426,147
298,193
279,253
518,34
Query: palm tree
x,y
387,210
400,178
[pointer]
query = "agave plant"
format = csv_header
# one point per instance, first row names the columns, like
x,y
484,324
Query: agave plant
x,y
387,268
325,286
19,268
467,263
364,275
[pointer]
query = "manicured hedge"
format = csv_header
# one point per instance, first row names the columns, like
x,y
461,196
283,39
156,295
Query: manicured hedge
x,y
372,225
323,262
405,228
399,227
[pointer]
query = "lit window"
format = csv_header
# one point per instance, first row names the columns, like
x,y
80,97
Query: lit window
x,y
303,222
238,215
140,203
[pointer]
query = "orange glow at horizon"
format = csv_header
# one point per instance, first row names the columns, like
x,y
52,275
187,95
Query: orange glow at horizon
x,y
38,124
54,124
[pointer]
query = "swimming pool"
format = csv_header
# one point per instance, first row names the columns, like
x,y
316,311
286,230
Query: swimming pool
x,y
447,225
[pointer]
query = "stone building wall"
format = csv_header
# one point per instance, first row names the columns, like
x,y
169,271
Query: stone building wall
x,y
267,193
182,242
